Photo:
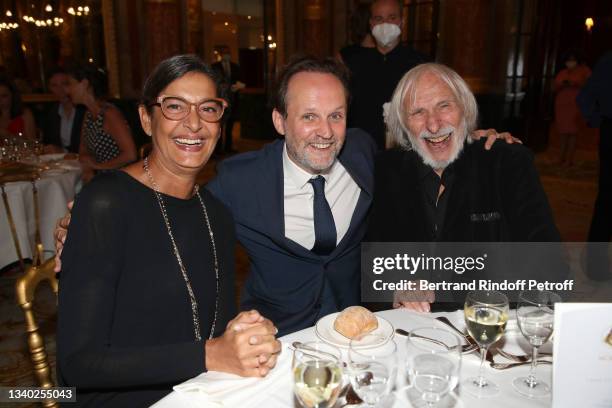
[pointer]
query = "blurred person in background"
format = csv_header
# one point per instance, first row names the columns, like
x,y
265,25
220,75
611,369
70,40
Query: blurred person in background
x,y
376,71
231,77
106,140
361,37
567,116
15,119
61,125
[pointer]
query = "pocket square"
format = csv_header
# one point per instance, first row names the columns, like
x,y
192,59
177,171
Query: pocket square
x,y
485,217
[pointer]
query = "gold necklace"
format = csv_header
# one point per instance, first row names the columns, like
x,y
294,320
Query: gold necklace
x,y
192,299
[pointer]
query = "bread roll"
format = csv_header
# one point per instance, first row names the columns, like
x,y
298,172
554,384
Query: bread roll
x,y
355,321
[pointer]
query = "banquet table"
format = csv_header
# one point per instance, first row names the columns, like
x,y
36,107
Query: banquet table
x,y
276,390
57,185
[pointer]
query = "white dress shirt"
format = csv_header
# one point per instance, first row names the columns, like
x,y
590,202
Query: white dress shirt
x,y
66,122
341,193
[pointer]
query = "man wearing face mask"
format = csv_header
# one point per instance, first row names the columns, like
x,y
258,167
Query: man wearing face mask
x,y
376,71
231,77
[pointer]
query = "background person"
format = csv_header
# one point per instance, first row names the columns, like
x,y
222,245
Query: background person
x,y
567,115
231,77
15,119
376,71
361,37
62,122
106,139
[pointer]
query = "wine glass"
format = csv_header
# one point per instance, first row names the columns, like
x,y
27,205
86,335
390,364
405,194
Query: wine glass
x,y
317,374
372,371
535,315
433,369
486,315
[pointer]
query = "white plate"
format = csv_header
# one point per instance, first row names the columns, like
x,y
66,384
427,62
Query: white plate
x,y
326,332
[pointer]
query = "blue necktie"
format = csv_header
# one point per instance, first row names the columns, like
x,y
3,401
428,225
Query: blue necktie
x,y
325,228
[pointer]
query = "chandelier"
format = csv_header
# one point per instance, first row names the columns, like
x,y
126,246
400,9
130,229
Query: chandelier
x,y
46,19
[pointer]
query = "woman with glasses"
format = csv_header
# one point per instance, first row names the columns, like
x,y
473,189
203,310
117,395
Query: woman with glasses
x,y
106,139
147,287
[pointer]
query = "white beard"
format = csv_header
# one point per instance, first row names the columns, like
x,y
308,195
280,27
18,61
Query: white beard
x,y
457,139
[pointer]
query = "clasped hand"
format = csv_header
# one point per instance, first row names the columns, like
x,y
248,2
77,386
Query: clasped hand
x,y
248,347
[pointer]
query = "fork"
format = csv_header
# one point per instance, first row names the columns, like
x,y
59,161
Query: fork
x,y
503,366
520,358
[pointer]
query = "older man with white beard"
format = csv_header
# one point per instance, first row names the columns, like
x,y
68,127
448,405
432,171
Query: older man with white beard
x,y
439,185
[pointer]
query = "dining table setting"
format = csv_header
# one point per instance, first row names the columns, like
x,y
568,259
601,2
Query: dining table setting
x,y
480,356
36,188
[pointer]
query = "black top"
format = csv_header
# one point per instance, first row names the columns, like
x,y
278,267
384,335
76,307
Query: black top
x,y
374,77
435,207
125,331
350,50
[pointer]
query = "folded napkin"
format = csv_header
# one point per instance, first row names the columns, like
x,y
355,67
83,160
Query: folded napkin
x,y
217,389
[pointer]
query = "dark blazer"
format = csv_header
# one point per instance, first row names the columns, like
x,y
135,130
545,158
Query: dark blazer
x,y
288,283
496,196
52,125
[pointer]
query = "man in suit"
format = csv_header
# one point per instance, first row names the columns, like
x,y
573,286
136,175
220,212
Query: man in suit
x,y
231,77
438,185
63,120
300,204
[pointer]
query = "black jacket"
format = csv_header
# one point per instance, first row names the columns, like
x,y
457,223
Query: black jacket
x,y
52,125
496,196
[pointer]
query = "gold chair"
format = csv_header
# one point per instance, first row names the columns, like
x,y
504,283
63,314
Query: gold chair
x,y
25,288
15,173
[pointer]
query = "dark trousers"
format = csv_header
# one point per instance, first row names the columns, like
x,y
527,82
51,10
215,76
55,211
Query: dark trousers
x,y
598,266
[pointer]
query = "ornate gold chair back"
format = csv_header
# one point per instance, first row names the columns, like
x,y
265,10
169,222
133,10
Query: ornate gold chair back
x,y
25,287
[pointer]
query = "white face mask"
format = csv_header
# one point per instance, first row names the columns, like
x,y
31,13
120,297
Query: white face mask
x,y
386,33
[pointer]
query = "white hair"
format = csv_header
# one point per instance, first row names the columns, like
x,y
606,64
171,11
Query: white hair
x,y
397,131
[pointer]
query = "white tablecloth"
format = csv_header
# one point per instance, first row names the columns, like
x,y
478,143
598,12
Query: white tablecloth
x,y
56,188
280,392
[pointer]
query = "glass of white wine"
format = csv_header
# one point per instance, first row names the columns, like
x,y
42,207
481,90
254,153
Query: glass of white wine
x,y
535,315
372,371
317,374
486,315
433,368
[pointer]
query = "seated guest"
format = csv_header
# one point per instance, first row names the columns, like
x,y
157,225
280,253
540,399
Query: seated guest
x,y
106,139
15,119
147,288
62,122
438,181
